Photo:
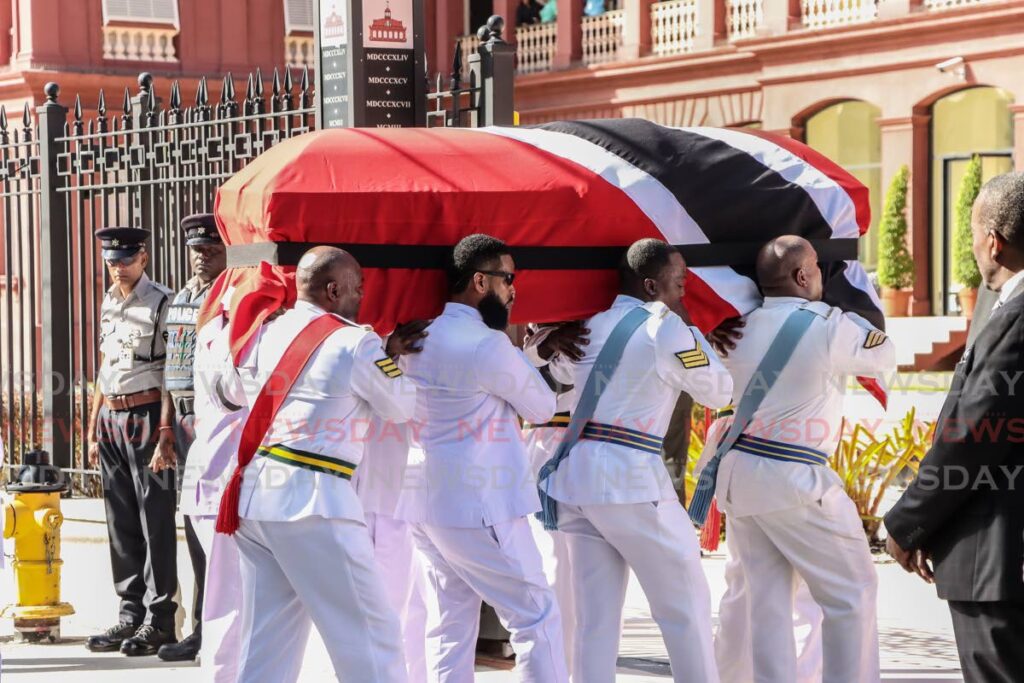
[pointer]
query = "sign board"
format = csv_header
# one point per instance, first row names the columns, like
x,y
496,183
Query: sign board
x,y
370,63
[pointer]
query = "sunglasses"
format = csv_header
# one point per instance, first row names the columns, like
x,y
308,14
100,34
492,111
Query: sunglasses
x,y
125,261
504,274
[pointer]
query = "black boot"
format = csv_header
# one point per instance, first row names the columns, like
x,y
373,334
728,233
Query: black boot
x,y
185,651
111,639
146,641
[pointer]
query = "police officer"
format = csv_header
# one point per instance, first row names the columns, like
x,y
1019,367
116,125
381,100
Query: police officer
x,y
123,425
177,428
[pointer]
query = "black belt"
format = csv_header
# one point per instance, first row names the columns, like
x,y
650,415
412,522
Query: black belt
x,y
184,405
435,256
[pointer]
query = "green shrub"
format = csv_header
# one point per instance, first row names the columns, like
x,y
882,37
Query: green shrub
x,y
895,267
965,268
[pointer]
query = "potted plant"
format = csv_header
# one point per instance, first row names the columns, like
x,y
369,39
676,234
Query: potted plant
x,y
965,268
895,267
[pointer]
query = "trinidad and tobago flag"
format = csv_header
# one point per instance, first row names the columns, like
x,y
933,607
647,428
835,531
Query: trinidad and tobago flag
x,y
568,197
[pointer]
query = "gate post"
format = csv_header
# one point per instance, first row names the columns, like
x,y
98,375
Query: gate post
x,y
55,283
492,68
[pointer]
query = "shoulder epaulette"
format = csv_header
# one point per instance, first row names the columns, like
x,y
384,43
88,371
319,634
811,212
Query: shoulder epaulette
x,y
820,308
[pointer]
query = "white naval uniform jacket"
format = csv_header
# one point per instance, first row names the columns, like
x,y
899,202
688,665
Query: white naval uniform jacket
x,y
657,364
328,411
468,466
218,428
804,407
380,476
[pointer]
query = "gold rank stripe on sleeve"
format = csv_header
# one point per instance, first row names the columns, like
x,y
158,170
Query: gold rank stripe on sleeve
x,y
388,367
693,359
874,338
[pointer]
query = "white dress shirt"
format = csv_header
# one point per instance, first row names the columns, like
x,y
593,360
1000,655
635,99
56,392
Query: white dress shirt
x,y
641,396
803,407
328,411
1008,288
468,465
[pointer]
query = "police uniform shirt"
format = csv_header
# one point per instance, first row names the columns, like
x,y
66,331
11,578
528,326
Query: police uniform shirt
x,y
182,316
468,466
327,412
805,405
133,336
662,358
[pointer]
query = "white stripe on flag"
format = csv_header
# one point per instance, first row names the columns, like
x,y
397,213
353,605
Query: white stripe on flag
x,y
653,199
831,199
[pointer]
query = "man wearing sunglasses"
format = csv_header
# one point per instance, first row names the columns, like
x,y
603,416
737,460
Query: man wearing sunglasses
x,y
123,427
468,485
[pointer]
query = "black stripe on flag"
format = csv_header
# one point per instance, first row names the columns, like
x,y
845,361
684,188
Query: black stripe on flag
x,y
709,178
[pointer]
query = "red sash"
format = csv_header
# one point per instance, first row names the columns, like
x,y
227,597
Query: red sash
x,y
264,410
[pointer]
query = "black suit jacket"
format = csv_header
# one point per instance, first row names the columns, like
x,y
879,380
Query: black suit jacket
x,y
966,505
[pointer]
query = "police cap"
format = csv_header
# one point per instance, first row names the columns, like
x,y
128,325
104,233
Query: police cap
x,y
120,243
200,228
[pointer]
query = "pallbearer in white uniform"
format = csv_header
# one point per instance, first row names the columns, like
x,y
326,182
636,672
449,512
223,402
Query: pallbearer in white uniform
x,y
541,443
615,500
469,486
378,482
211,457
306,557
733,651
787,511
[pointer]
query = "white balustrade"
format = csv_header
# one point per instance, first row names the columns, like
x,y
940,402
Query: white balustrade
x,y
140,43
467,45
829,13
673,26
745,17
602,36
298,51
535,47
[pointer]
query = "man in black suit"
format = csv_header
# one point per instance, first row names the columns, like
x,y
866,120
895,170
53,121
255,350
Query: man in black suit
x,y
964,513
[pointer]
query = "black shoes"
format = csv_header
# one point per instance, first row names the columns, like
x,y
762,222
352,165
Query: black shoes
x,y
146,641
185,651
111,639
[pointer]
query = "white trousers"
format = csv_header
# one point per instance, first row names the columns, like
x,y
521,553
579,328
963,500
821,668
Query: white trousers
x,y
554,554
657,541
314,571
824,543
222,605
733,650
499,564
403,581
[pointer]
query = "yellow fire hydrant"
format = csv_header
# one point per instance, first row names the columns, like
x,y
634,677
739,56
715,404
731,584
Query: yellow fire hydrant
x,y
33,520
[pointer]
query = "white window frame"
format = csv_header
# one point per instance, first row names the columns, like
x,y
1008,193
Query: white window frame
x,y
176,22
290,28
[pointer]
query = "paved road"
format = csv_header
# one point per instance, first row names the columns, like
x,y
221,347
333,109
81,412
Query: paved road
x,y
916,634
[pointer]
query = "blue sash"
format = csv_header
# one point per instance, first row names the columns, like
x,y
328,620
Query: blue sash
x,y
604,367
771,366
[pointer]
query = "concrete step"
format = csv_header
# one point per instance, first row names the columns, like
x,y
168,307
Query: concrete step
x,y
923,343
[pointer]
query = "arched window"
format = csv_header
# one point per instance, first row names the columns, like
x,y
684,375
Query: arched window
x,y
848,134
965,123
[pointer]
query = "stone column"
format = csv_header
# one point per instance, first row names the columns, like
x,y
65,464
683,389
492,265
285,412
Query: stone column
x,y
636,36
569,47
506,9
905,140
711,22
890,9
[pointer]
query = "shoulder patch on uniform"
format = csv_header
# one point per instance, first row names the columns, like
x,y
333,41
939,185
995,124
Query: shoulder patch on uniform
x,y
818,307
388,367
874,338
695,358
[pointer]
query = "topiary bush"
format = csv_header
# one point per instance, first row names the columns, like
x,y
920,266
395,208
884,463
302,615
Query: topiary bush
x,y
965,267
895,267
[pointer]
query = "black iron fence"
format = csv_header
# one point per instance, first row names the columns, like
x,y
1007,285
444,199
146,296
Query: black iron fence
x,y
144,162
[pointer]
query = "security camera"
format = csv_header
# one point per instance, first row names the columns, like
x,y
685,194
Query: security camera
x,y
954,64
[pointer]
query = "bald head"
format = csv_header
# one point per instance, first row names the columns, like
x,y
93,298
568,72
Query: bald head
x,y
788,266
332,279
